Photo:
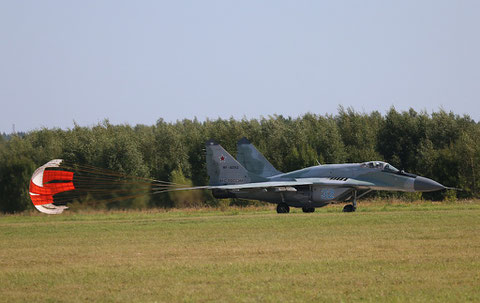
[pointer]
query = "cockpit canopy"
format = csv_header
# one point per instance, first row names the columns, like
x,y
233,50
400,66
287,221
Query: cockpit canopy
x,y
380,166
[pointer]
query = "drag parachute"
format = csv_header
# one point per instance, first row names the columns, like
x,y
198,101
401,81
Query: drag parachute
x,y
58,182
46,183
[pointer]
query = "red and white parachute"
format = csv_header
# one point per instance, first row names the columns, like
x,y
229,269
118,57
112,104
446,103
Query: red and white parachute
x,y
57,183
46,183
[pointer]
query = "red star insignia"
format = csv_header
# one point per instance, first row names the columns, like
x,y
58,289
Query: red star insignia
x,y
222,158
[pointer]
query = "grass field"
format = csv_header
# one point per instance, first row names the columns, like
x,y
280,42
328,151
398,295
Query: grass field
x,y
384,252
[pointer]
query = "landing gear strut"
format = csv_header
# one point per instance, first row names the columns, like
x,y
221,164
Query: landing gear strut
x,y
351,207
283,208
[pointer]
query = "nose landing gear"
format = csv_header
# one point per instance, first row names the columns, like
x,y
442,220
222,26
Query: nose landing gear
x,y
351,207
348,208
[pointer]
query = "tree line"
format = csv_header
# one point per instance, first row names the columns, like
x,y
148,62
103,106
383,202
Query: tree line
x,y
442,146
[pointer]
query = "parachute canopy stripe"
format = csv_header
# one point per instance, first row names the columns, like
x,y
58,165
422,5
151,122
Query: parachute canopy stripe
x,y
51,189
41,199
56,175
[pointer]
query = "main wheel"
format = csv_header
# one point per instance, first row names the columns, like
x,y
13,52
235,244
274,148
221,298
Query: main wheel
x,y
348,208
308,209
283,208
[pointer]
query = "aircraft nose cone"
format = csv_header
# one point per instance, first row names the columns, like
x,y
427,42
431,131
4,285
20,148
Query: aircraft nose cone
x,y
425,184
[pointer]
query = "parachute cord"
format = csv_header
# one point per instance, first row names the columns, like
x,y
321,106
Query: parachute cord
x,y
97,185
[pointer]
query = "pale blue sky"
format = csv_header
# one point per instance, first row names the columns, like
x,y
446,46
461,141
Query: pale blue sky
x,y
138,61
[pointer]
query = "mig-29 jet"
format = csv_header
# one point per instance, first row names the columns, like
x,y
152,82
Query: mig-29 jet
x,y
251,176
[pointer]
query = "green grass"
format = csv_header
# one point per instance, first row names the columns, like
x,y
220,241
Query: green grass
x,y
384,252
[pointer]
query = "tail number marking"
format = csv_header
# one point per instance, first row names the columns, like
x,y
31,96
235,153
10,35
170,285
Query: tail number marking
x,y
233,180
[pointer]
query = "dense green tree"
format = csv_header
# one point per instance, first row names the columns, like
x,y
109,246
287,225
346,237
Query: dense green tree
x,y
400,138
16,169
359,133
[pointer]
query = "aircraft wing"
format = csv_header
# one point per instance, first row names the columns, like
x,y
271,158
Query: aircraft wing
x,y
282,185
327,182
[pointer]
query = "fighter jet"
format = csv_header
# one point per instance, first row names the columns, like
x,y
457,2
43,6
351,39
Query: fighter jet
x,y
252,177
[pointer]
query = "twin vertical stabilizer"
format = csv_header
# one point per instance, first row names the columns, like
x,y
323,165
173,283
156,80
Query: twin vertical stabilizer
x,y
223,169
253,160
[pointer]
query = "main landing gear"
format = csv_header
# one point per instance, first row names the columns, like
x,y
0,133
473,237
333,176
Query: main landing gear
x,y
283,208
308,209
349,208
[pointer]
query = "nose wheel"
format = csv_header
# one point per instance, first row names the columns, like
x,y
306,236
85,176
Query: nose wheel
x,y
349,208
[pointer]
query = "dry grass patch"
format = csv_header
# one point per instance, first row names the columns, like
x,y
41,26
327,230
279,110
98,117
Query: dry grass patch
x,y
387,251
